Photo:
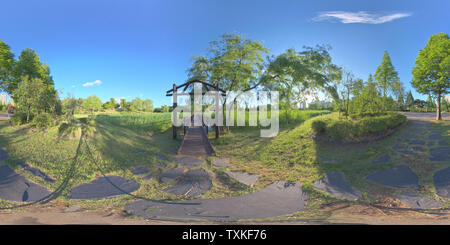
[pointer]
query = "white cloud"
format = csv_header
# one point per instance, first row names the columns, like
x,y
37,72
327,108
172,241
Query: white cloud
x,y
359,17
96,82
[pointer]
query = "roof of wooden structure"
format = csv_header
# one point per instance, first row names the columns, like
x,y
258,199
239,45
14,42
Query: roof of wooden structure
x,y
209,87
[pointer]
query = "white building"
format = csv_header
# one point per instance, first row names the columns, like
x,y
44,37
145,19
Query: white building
x,y
3,98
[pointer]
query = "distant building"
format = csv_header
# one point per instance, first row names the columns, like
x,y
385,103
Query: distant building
x,y
3,98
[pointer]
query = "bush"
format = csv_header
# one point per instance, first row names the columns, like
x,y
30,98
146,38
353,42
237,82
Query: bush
x,y
18,118
357,127
44,120
319,126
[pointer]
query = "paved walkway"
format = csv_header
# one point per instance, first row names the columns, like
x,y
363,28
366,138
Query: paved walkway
x,y
4,116
277,199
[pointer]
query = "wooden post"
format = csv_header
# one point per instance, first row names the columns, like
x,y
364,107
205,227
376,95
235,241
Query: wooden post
x,y
174,116
217,107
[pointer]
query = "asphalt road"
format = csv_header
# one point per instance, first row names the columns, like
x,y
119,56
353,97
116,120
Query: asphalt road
x,y
427,116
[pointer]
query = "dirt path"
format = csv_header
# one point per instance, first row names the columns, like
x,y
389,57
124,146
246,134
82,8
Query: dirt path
x,y
4,116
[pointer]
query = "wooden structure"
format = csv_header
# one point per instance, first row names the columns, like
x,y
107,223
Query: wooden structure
x,y
174,93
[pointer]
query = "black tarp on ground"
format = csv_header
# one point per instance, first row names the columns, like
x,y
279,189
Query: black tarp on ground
x,y
14,187
279,198
335,184
396,176
102,188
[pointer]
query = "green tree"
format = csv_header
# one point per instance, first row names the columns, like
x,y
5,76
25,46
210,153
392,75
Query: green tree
x,y
92,103
6,66
410,100
28,95
111,104
430,103
369,101
165,108
311,69
358,86
233,63
445,104
385,74
69,105
136,104
147,105
432,69
29,64
399,91
123,104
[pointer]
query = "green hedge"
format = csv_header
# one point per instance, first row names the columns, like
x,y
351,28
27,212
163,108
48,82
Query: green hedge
x,y
354,129
44,120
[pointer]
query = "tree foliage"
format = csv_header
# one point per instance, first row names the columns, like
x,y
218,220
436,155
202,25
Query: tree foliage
x,y
432,69
92,104
385,75
6,66
28,96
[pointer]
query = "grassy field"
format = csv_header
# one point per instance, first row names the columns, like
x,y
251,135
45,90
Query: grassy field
x,y
150,123
117,147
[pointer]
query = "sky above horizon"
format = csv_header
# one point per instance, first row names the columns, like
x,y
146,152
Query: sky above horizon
x,y
128,49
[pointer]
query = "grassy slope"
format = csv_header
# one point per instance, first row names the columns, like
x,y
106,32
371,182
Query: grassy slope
x,y
118,149
293,155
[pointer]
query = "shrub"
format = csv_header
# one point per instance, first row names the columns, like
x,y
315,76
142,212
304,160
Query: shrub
x,y
44,120
357,127
319,126
18,118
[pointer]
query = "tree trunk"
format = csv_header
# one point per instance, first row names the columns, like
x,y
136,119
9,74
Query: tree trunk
x,y
28,114
438,109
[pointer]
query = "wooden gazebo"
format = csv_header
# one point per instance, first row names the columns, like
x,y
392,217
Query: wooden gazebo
x,y
174,92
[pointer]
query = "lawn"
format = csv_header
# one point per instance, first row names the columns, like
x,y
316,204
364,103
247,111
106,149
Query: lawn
x,y
117,147
294,155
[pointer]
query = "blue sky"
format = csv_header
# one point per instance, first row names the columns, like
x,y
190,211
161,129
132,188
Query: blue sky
x,y
140,48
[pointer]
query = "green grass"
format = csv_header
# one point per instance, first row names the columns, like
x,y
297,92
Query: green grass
x,y
357,129
294,156
117,148
124,141
143,122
